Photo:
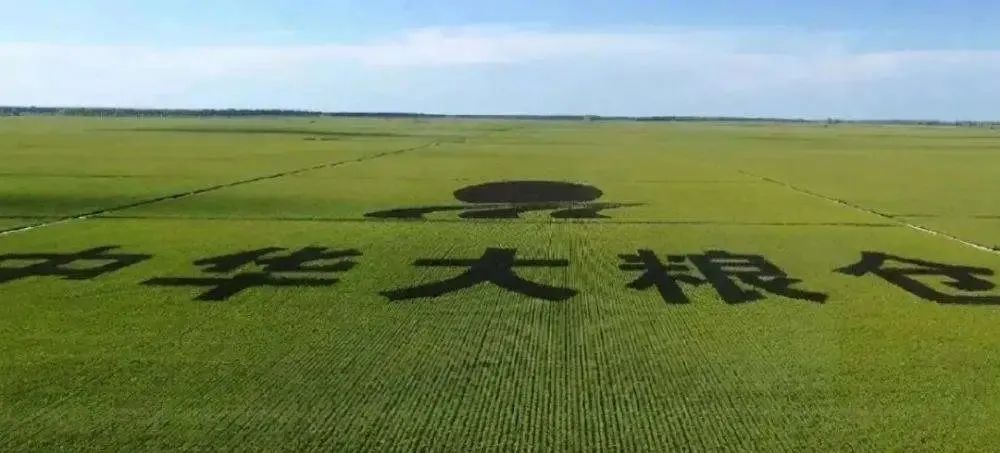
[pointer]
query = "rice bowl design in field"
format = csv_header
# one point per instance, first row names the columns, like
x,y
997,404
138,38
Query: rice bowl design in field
x,y
509,199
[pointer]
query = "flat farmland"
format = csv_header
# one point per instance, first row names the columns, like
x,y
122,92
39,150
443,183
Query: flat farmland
x,y
394,285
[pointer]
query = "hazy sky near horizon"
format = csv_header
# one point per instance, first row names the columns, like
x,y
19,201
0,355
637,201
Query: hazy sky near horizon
x,y
852,58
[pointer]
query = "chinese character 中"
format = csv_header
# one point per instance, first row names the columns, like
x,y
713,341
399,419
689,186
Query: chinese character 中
x,y
83,265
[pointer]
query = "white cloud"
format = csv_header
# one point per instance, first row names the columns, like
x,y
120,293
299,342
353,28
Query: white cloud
x,y
725,72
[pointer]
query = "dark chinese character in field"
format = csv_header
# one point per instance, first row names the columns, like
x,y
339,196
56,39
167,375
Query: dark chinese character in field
x,y
903,275
723,270
495,266
666,277
83,265
308,260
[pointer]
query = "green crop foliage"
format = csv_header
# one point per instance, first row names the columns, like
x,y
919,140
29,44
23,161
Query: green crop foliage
x,y
110,363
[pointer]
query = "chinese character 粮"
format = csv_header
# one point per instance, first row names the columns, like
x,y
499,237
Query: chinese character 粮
x,y
736,278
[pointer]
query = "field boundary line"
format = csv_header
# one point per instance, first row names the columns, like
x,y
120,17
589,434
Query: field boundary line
x,y
176,196
857,207
595,222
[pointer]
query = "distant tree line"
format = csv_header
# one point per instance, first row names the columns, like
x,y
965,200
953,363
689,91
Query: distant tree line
x,y
131,112
234,113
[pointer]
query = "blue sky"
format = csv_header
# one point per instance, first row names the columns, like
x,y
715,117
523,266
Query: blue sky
x,y
853,59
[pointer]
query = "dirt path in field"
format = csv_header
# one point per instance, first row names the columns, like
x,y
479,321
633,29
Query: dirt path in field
x,y
894,219
191,193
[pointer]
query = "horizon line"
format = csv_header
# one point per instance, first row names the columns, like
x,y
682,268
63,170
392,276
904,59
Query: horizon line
x,y
15,110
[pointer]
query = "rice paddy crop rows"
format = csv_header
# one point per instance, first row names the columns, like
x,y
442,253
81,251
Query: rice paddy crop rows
x,y
106,362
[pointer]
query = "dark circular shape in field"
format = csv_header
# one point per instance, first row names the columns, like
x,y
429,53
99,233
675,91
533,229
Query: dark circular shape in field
x,y
527,192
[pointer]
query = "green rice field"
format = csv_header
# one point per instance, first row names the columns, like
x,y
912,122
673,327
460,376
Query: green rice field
x,y
335,284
